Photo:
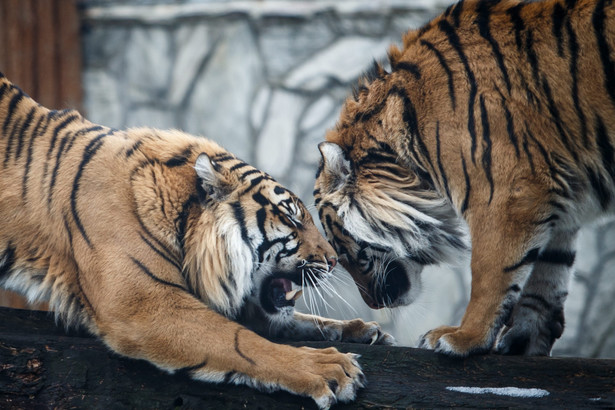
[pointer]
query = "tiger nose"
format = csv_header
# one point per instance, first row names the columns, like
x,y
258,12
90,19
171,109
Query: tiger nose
x,y
332,261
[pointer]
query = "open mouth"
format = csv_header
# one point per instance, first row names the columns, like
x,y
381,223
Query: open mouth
x,y
277,292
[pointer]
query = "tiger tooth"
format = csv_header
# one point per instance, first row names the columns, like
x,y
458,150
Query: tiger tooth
x,y
293,294
298,294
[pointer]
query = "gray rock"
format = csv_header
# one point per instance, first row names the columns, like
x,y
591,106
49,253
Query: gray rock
x,y
193,43
260,107
344,61
102,101
219,104
148,64
286,42
320,111
146,116
276,142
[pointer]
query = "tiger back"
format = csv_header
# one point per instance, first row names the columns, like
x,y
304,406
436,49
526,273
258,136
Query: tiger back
x,y
497,113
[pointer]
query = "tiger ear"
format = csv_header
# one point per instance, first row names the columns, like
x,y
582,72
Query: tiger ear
x,y
335,165
209,177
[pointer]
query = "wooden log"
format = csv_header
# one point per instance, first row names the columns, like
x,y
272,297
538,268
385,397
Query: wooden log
x,y
42,365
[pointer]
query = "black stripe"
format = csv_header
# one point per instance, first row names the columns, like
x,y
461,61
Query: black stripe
x,y
239,352
88,153
26,175
536,298
238,166
156,278
440,165
3,88
526,149
161,246
557,120
22,132
133,149
9,144
465,203
573,49
514,288
603,193
456,12
223,157
510,128
608,66
254,182
411,121
56,167
180,159
248,173
409,67
557,257
81,133
518,23
607,151
8,260
366,116
557,21
69,233
447,70
531,57
17,97
160,253
482,20
186,371
564,191
181,222
176,161
570,4
558,206
58,113
240,217
56,131
456,44
486,160
376,157
547,220
529,257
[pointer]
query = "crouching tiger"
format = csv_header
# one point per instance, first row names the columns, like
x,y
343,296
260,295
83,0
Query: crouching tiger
x,y
159,242
498,112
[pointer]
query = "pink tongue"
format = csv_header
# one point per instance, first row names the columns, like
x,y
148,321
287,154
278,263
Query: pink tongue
x,y
285,284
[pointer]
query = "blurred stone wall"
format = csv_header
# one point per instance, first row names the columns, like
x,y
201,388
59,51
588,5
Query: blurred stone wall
x,y
266,79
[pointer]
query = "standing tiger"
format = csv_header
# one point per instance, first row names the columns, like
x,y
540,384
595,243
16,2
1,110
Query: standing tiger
x,y
159,242
499,113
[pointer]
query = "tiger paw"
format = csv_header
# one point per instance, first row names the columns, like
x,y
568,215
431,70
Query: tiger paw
x,y
528,338
358,331
454,341
325,375
430,339
531,331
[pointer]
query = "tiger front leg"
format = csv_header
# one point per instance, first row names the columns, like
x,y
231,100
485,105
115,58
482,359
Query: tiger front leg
x,y
538,318
502,259
311,327
183,335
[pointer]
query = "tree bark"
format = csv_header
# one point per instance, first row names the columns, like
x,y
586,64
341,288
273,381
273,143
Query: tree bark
x,y
42,366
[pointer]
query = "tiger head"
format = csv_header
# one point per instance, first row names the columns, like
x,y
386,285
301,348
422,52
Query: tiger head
x,y
382,214
251,240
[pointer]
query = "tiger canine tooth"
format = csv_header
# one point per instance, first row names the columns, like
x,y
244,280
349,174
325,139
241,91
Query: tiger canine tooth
x,y
294,294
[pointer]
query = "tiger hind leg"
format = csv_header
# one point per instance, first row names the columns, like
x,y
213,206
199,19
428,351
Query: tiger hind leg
x,y
538,318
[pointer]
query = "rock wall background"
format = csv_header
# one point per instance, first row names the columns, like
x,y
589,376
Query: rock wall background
x,y
266,79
